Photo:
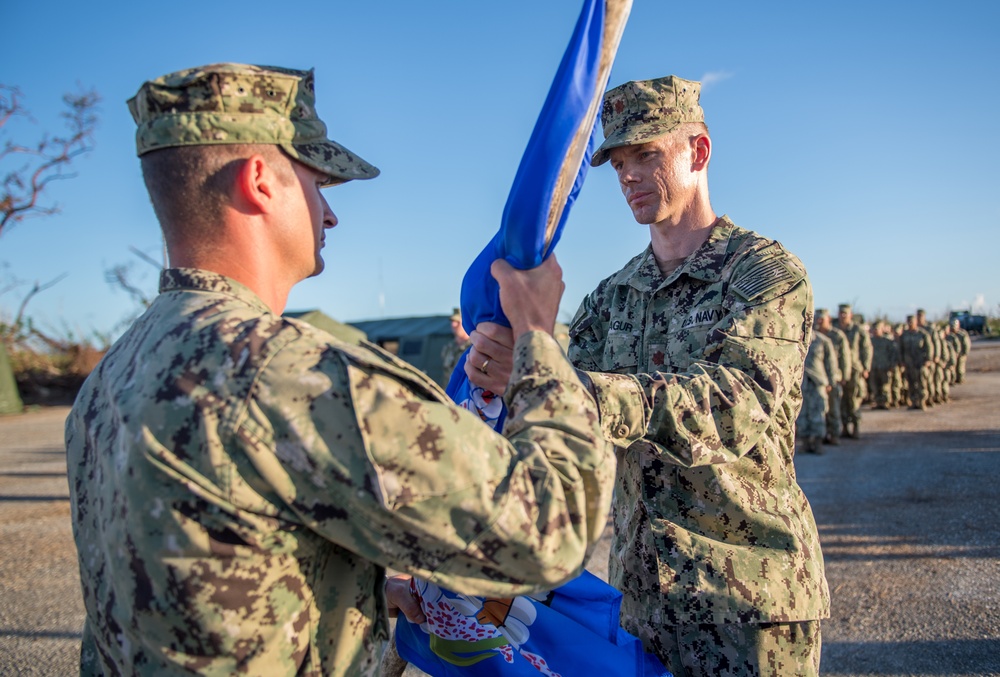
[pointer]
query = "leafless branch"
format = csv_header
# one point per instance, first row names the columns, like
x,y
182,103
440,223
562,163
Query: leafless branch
x,y
47,160
35,289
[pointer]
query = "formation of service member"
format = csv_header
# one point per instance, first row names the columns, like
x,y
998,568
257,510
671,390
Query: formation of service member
x,y
694,351
916,351
240,480
842,347
860,346
962,344
453,350
935,369
885,359
821,371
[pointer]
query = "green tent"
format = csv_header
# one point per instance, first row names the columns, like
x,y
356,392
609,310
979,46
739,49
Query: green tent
x,y
10,400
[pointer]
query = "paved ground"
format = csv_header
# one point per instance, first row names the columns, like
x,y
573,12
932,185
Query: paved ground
x,y
909,518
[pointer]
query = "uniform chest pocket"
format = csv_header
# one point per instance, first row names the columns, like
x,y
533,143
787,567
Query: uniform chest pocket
x,y
621,353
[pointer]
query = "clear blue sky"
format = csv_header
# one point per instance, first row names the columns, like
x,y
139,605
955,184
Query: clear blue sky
x,y
864,136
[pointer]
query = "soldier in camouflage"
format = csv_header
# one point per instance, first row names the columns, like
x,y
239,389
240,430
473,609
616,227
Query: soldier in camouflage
x,y
695,351
845,363
821,371
860,344
947,362
453,350
240,481
916,351
962,344
933,368
885,358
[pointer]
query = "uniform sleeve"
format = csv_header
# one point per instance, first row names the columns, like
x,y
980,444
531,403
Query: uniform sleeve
x,y
718,409
587,335
376,462
866,350
815,367
830,361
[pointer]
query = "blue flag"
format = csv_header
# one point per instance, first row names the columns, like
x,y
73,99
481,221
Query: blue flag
x,y
567,632
551,173
573,630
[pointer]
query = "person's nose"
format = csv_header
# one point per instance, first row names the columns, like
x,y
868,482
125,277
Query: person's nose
x,y
626,175
329,218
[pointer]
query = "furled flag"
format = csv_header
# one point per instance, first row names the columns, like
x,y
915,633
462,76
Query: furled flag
x,y
547,182
573,630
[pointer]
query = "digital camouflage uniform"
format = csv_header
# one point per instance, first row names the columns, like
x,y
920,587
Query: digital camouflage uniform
x,y
860,345
947,365
885,358
819,373
698,378
915,350
239,481
963,344
933,390
450,354
834,418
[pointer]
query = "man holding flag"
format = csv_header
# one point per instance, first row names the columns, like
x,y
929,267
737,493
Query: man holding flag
x,y
694,352
240,480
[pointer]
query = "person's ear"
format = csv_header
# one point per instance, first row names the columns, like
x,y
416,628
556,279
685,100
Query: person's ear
x,y
257,184
701,152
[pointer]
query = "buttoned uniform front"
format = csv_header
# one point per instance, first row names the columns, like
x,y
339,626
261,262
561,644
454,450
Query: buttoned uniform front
x,y
698,381
240,481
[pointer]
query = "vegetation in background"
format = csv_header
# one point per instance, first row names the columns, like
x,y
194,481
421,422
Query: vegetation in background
x,y
47,367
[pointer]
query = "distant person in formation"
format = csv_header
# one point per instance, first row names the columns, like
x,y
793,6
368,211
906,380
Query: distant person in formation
x,y
821,371
898,376
844,362
948,359
885,359
915,349
240,481
865,394
963,344
453,350
861,353
935,367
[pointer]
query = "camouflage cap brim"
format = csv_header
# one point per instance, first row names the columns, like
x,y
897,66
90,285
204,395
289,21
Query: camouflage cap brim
x,y
332,159
631,136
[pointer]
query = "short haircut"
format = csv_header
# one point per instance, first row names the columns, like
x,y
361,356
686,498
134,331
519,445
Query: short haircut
x,y
189,186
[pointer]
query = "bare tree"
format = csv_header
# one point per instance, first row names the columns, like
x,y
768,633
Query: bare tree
x,y
46,160
33,167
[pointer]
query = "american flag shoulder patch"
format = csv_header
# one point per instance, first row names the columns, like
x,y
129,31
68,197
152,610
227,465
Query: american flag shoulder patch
x,y
766,277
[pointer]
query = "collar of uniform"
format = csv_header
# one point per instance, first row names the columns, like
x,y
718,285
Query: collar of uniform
x,y
705,263
181,279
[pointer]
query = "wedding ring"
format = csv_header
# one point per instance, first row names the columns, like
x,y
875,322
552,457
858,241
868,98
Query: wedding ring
x,y
486,363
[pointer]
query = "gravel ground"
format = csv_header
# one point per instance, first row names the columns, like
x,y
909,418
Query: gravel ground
x,y
909,518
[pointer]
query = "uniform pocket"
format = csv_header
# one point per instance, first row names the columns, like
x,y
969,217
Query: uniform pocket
x,y
621,353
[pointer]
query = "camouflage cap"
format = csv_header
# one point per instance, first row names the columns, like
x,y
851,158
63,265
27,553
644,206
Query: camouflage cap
x,y
230,103
642,110
821,313
456,315
843,307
